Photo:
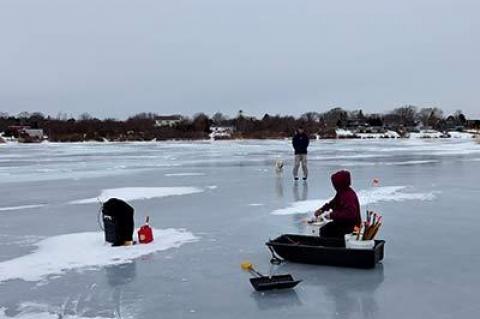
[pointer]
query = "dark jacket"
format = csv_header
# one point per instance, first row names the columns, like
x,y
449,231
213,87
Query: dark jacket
x,y
345,205
300,143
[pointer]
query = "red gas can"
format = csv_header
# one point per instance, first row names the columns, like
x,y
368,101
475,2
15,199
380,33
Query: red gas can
x,y
145,233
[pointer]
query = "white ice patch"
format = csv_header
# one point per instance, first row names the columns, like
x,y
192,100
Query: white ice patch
x,y
255,204
185,174
21,207
391,194
139,193
413,162
79,251
403,163
41,315
366,197
38,311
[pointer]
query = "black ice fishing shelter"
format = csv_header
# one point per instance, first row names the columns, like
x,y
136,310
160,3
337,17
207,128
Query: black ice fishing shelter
x,y
118,223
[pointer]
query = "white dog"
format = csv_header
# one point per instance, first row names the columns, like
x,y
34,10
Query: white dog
x,y
279,166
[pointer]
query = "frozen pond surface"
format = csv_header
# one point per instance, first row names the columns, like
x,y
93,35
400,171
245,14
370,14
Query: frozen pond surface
x,y
214,205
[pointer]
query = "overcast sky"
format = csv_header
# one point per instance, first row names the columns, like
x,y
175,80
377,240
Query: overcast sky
x,y
114,58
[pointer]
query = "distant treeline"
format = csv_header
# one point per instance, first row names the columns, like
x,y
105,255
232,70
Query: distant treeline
x,y
145,126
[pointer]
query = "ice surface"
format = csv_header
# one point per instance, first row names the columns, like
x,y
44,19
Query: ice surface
x,y
22,207
77,161
185,174
58,254
138,193
428,195
29,311
366,197
384,163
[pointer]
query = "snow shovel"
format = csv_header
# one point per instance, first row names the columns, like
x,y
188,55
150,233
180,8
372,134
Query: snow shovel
x,y
261,282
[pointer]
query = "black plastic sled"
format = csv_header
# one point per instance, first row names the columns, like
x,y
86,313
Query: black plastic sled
x,y
274,282
324,251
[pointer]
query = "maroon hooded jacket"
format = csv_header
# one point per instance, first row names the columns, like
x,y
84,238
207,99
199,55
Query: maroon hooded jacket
x,y
345,204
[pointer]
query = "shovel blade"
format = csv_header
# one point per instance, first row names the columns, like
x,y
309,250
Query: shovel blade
x,y
274,282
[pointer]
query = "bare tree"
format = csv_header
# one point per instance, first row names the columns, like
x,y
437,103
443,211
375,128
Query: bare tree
x,y
406,115
85,117
201,123
144,116
23,115
61,116
335,117
460,117
311,117
430,116
219,119
37,116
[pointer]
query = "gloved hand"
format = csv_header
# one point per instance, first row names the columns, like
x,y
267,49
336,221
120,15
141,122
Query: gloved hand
x,y
320,211
325,215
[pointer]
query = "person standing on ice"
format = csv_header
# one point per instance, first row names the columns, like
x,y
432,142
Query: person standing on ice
x,y
343,209
300,143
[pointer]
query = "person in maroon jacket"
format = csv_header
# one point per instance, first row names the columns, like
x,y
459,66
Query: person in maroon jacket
x,y
343,209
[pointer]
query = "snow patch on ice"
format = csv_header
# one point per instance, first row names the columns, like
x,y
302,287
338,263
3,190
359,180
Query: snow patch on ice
x,y
78,251
391,194
21,207
256,204
366,197
402,163
40,311
462,135
185,174
139,193
413,162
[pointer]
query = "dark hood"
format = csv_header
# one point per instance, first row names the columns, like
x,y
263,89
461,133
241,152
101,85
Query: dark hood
x,y
341,180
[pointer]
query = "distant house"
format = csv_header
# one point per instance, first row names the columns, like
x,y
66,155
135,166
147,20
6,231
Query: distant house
x,y
35,133
221,132
371,129
167,121
451,123
356,123
26,134
15,130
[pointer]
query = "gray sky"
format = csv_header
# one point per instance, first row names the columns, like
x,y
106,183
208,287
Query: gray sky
x,y
114,58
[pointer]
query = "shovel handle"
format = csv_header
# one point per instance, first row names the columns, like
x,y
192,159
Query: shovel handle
x,y
248,266
275,260
256,273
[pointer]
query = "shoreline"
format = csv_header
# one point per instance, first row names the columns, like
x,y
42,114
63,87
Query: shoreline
x,y
340,134
399,139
